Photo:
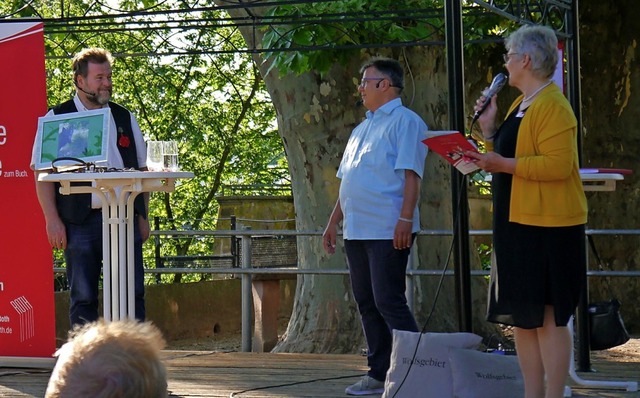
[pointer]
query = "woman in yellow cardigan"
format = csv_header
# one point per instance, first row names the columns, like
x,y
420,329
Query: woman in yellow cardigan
x,y
540,212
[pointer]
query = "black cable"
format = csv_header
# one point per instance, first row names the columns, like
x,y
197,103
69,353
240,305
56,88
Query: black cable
x,y
235,394
77,165
456,213
473,122
438,289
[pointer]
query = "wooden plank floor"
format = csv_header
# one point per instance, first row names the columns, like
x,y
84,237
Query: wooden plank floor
x,y
250,375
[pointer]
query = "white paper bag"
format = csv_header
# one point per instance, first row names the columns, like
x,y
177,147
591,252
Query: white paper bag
x,y
426,359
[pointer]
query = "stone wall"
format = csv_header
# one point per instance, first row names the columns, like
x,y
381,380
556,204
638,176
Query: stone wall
x,y
253,212
189,310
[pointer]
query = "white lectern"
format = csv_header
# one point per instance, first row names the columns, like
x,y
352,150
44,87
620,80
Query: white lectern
x,y
117,191
597,182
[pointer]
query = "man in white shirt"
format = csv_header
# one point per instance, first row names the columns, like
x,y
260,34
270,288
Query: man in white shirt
x,y
381,171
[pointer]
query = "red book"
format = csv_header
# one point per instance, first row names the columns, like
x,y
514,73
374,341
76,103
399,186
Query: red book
x,y
451,145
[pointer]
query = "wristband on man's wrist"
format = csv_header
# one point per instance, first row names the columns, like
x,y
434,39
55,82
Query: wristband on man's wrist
x,y
405,219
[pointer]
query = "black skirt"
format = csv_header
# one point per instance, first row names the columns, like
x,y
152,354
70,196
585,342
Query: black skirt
x,y
533,266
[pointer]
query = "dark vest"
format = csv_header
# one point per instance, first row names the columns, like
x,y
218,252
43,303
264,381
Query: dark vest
x,y
76,207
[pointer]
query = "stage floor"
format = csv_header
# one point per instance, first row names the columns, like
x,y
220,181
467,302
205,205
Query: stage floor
x,y
252,375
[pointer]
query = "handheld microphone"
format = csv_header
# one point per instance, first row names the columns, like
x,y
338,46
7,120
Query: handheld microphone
x,y
496,85
359,102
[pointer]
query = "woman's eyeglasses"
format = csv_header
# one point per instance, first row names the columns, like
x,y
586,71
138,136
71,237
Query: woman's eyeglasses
x,y
507,56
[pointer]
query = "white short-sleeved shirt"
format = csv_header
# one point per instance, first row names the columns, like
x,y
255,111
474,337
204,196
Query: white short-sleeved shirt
x,y
380,149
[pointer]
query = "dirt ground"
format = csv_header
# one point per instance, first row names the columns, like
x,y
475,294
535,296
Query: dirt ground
x,y
628,352
220,343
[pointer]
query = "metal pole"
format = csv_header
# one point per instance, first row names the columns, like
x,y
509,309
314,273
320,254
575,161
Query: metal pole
x,y
247,298
575,98
156,240
234,243
582,334
460,204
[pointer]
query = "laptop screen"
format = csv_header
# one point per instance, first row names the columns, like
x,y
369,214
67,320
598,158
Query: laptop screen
x,y
78,135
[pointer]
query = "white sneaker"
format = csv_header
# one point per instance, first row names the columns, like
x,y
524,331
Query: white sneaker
x,y
366,386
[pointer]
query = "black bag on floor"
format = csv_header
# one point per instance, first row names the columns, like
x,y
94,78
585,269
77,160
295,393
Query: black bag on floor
x,y
606,326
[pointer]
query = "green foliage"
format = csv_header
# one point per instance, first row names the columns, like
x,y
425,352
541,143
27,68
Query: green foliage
x,y
316,35
215,106
484,251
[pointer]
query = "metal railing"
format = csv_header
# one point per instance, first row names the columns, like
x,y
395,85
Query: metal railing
x,y
246,269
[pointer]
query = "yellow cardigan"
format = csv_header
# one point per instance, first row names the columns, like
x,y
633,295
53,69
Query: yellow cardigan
x,y
547,190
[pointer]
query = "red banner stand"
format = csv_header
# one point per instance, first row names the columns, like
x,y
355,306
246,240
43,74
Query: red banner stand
x,y
27,310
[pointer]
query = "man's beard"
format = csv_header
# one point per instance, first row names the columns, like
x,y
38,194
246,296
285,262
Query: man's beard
x,y
101,98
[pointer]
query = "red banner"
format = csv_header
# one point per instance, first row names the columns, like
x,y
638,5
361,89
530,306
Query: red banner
x,y
27,311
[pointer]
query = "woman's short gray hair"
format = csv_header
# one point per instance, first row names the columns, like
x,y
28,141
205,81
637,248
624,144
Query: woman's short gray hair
x,y
540,44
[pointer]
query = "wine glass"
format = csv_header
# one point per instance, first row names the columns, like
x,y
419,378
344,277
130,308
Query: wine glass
x,y
155,154
170,155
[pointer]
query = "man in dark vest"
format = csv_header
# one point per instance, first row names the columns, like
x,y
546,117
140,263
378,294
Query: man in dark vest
x,y
74,222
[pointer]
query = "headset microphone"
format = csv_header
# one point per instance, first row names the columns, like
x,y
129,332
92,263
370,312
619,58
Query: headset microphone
x,y
83,90
87,92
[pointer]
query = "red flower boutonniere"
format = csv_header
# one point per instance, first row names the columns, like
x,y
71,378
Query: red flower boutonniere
x,y
123,140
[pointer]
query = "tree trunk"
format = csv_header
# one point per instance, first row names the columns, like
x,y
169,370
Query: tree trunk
x,y
610,107
315,118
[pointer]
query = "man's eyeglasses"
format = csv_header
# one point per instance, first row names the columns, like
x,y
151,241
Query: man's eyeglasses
x,y
364,80
507,56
